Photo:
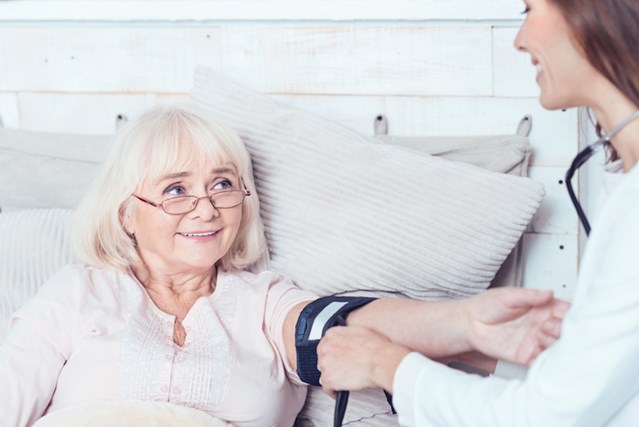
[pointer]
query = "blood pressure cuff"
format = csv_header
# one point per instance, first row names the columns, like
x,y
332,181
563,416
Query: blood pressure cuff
x,y
316,318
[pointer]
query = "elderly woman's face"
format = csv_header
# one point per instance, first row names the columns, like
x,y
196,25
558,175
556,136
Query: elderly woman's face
x,y
189,241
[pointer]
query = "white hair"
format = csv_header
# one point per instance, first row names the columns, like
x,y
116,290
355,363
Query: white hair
x,y
148,148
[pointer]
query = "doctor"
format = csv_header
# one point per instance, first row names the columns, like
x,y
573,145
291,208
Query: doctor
x,y
587,54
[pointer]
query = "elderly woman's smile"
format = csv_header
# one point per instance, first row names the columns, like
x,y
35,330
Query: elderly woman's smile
x,y
198,235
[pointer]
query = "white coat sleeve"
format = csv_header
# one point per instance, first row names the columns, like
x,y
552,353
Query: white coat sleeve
x,y
578,382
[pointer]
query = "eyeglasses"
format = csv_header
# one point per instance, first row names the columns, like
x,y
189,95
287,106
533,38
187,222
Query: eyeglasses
x,y
181,205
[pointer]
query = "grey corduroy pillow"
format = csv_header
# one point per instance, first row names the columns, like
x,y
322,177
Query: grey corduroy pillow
x,y
345,212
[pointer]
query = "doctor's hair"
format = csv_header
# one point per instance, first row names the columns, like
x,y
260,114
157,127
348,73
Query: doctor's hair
x,y
164,140
607,31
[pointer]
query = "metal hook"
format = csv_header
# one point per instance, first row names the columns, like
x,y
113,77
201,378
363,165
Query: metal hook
x,y
525,126
380,125
120,120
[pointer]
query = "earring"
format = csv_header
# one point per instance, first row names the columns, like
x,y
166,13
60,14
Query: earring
x,y
133,239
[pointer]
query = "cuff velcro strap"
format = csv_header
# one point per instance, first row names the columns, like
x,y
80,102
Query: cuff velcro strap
x,y
313,322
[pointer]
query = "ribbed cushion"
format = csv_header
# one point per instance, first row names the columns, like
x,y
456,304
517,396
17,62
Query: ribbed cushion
x,y
365,408
345,212
33,245
50,170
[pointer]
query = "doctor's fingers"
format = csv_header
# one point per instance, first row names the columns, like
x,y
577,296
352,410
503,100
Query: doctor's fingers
x,y
328,390
331,351
552,327
560,307
544,341
345,338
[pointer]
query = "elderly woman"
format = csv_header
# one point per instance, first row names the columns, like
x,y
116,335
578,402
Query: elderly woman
x,y
163,308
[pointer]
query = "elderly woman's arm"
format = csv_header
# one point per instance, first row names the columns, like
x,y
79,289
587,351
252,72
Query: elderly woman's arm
x,y
39,342
29,369
506,323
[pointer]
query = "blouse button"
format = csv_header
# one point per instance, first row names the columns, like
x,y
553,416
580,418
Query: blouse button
x,y
164,388
168,357
177,390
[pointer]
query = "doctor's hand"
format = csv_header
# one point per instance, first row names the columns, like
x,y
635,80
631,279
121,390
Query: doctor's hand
x,y
356,358
514,324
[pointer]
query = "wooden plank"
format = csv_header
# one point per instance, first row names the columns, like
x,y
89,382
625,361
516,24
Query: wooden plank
x,y
556,214
551,263
86,113
9,110
514,73
256,10
361,60
404,60
172,98
355,112
553,137
104,59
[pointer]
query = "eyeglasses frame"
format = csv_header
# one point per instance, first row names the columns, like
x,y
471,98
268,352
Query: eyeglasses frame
x,y
246,193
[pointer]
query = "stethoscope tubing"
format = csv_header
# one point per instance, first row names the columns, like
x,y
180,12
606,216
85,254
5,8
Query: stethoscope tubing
x,y
582,157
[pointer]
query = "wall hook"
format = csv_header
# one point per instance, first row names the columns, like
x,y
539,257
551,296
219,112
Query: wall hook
x,y
525,125
120,120
380,125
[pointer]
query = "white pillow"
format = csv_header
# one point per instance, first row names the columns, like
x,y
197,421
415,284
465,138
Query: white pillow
x,y
134,413
368,407
33,245
345,212
50,170
499,153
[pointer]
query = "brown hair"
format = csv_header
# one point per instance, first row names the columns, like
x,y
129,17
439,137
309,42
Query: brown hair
x,y
608,33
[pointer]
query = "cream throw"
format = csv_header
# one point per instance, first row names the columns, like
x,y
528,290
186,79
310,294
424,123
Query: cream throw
x,y
129,414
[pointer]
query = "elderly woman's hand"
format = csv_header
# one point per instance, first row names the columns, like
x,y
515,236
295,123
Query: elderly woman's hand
x,y
356,358
514,324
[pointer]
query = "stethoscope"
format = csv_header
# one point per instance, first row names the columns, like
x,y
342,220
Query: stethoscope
x,y
583,157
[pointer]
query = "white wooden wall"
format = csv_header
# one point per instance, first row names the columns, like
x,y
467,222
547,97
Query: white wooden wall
x,y
433,67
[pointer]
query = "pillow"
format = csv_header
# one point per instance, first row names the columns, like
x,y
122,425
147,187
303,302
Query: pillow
x,y
345,212
500,153
368,407
129,414
50,170
33,245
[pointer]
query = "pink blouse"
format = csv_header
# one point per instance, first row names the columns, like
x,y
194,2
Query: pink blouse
x,y
92,334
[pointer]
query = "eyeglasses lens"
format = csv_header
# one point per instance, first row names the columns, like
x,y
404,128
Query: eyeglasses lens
x,y
222,200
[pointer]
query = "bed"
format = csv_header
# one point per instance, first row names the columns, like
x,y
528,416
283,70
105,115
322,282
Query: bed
x,y
458,205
